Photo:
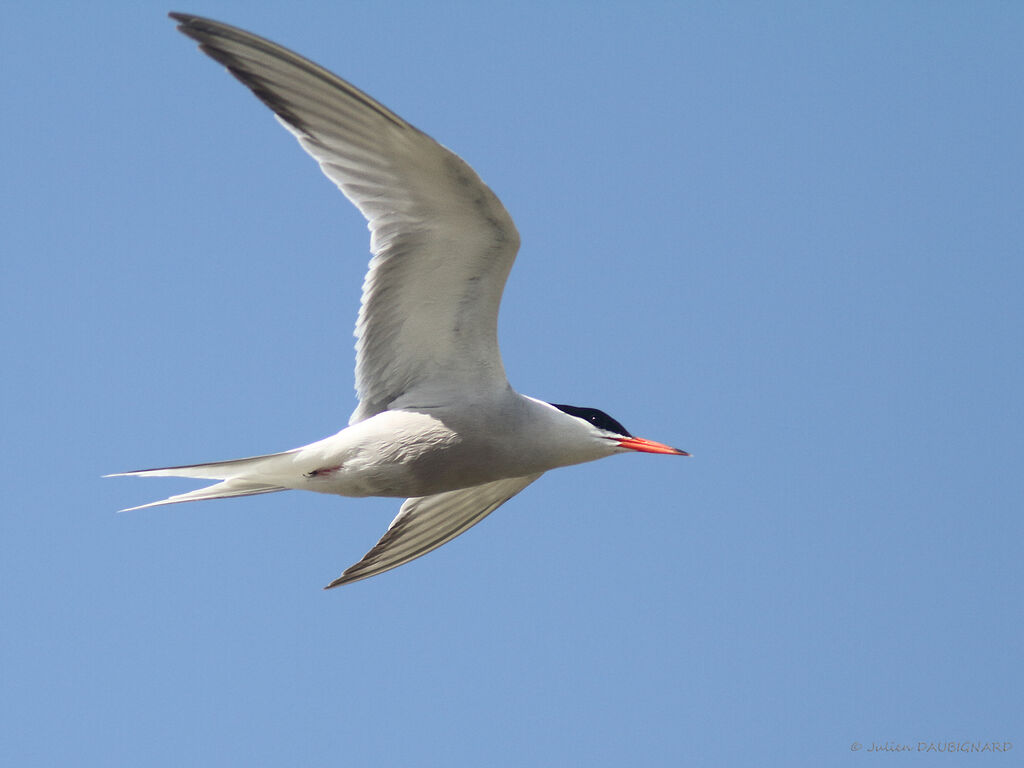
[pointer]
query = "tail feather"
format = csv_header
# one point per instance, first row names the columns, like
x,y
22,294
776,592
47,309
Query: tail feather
x,y
222,490
239,477
215,470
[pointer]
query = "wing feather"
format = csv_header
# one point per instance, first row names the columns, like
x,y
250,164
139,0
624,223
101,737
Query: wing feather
x,y
443,244
426,522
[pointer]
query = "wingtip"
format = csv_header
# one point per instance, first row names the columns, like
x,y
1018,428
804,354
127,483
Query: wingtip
x,y
345,578
189,23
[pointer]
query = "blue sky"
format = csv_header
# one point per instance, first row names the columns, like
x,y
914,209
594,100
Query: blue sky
x,y
786,237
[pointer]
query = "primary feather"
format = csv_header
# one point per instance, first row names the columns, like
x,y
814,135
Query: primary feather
x,y
443,244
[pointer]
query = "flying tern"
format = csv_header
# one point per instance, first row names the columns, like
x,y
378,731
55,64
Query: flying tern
x,y
437,420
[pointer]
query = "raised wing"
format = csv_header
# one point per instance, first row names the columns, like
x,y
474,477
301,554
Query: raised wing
x,y
425,523
443,243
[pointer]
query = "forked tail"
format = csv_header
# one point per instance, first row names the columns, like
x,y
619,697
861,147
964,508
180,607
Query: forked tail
x,y
239,477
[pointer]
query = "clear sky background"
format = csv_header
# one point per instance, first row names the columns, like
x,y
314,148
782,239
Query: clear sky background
x,y
786,237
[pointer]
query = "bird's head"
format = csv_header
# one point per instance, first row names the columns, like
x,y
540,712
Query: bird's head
x,y
605,427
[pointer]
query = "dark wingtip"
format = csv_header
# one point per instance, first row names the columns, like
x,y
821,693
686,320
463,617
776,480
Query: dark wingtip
x,y
188,24
341,580
193,26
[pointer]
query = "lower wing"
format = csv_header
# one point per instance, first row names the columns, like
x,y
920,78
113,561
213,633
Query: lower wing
x,y
426,522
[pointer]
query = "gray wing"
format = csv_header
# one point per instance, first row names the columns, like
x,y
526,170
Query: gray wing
x,y
426,522
443,244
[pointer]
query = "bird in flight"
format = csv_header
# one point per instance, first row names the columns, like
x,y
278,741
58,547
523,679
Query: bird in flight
x,y
437,420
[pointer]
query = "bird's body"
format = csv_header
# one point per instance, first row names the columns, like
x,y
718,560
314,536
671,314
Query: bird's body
x,y
432,449
437,420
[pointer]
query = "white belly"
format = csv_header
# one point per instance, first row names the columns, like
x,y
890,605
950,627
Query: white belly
x,y
395,453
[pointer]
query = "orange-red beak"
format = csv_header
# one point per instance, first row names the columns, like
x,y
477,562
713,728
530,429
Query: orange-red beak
x,y
649,446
